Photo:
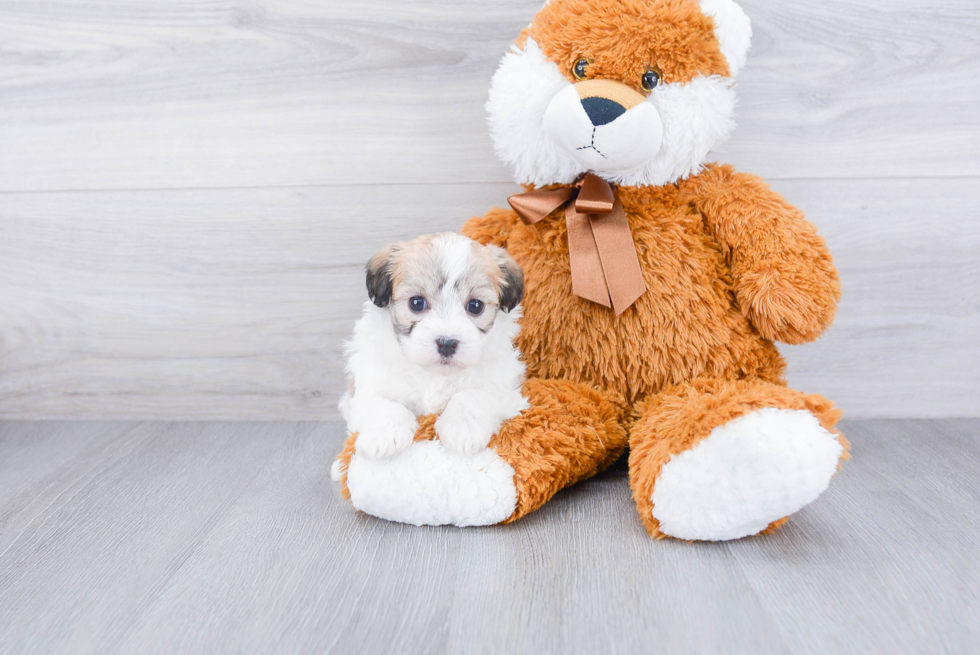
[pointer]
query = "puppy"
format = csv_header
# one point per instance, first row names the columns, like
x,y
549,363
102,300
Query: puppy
x,y
437,337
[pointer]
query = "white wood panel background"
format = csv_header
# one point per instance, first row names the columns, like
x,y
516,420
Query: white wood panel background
x,y
188,190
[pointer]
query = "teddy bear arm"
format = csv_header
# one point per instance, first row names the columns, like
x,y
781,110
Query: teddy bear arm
x,y
494,227
784,275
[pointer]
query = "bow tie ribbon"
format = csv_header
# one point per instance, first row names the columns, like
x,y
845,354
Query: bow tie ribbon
x,y
605,268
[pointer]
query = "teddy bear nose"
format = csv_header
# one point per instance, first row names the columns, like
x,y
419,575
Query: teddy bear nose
x,y
602,110
446,347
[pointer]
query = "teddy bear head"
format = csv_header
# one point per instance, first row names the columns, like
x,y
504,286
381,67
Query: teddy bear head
x,y
635,91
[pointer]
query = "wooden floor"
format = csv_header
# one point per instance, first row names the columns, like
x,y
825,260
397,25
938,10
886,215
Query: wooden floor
x,y
230,537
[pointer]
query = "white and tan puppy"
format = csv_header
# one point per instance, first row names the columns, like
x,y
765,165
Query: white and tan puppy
x,y
437,337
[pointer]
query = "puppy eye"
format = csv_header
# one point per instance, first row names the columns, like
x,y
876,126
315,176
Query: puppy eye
x,y
579,68
650,79
475,307
417,304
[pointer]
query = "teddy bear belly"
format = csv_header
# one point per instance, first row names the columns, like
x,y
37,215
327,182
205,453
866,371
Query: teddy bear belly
x,y
643,350
685,326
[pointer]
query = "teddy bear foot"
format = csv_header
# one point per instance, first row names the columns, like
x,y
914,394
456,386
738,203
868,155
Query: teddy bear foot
x,y
429,485
568,433
745,475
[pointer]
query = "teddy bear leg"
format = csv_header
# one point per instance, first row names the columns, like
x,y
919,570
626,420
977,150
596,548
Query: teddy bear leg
x,y
568,433
714,460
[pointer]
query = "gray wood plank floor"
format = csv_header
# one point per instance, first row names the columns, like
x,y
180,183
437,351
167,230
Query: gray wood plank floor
x,y
230,537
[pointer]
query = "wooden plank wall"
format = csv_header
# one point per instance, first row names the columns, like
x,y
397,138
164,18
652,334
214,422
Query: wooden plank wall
x,y
188,190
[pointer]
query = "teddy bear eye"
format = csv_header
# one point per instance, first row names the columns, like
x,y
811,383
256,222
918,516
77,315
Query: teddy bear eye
x,y
475,307
650,79
579,68
417,304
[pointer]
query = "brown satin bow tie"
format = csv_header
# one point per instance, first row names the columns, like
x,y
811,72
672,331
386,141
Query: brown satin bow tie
x,y
605,268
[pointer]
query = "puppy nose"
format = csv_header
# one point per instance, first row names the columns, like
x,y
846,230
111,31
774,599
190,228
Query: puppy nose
x,y
446,347
602,110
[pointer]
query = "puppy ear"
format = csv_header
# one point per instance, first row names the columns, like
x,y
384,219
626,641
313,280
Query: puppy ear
x,y
512,285
379,282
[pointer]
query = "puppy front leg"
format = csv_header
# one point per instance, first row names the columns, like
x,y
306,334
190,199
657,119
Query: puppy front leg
x,y
470,419
383,427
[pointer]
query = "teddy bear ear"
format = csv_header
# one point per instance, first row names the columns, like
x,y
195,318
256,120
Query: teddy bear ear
x,y
733,29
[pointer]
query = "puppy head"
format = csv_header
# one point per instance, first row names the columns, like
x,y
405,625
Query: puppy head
x,y
636,91
445,294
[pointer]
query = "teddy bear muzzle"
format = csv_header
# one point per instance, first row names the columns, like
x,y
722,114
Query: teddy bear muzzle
x,y
604,125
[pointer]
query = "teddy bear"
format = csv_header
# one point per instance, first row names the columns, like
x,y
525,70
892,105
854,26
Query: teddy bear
x,y
656,284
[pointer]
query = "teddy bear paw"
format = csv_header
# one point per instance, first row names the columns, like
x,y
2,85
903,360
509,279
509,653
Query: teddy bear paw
x,y
426,484
746,474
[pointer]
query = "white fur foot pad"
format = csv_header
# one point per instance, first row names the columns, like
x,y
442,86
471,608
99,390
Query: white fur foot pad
x,y
428,485
746,474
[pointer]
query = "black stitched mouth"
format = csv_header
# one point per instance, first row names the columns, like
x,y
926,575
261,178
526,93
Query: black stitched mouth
x,y
591,145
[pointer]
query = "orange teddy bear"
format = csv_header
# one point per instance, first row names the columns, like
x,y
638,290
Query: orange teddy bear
x,y
655,287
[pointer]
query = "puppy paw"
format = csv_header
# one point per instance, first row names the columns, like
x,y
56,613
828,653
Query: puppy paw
x,y
464,430
386,433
